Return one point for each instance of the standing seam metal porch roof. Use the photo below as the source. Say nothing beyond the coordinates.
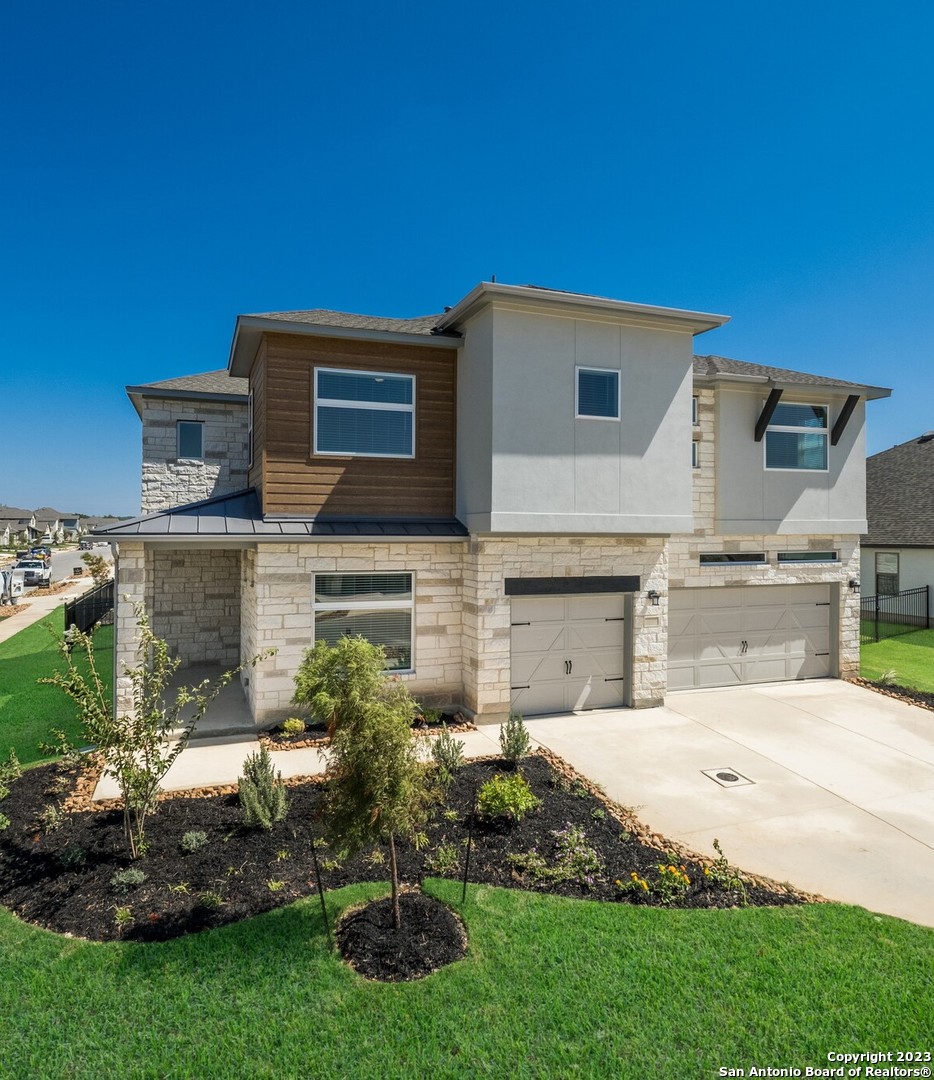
(238, 517)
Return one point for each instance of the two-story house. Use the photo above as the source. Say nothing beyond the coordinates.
(536, 500)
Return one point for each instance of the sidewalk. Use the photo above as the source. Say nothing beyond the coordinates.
(41, 605)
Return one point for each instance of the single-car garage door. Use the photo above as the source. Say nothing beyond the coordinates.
(567, 653)
(749, 634)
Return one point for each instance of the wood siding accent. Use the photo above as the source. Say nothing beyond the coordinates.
(258, 387)
(297, 481)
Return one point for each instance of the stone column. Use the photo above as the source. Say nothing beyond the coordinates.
(129, 589)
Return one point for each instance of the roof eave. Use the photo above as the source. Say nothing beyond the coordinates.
(871, 393)
(693, 322)
(137, 393)
(249, 330)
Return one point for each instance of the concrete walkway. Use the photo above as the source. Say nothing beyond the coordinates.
(835, 791)
(40, 604)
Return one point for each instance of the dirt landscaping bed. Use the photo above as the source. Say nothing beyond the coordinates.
(904, 693)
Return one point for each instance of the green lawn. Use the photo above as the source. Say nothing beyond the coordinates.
(550, 988)
(29, 711)
(911, 656)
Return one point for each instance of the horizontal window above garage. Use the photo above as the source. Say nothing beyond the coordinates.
(731, 558)
(808, 556)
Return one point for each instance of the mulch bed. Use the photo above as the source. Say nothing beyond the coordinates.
(904, 693)
(57, 865)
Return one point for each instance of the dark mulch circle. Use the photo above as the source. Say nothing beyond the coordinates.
(429, 937)
(57, 868)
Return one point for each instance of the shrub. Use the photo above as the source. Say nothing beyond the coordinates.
(210, 900)
(506, 796)
(193, 840)
(10, 770)
(514, 739)
(123, 916)
(124, 880)
(720, 875)
(72, 858)
(445, 859)
(263, 795)
(448, 755)
(293, 726)
(51, 818)
(573, 859)
(4, 822)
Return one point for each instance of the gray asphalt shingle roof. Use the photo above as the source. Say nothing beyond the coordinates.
(422, 324)
(900, 495)
(723, 365)
(238, 516)
(210, 382)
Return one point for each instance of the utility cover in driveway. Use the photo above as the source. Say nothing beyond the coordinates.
(567, 653)
(750, 634)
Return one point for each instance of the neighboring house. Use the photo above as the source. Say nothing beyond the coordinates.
(70, 529)
(898, 546)
(536, 500)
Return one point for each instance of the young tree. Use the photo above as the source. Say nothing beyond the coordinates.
(100, 568)
(136, 746)
(377, 788)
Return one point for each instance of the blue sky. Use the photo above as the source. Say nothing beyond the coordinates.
(168, 166)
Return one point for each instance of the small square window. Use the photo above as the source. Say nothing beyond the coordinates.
(190, 439)
(597, 394)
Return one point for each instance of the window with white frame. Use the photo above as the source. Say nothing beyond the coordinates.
(695, 456)
(695, 411)
(597, 394)
(378, 607)
(807, 556)
(189, 438)
(797, 437)
(364, 413)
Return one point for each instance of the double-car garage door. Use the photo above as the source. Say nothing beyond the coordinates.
(569, 652)
(748, 634)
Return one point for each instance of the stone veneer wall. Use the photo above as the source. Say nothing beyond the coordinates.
(196, 607)
(280, 614)
(130, 586)
(486, 634)
(685, 570)
(168, 481)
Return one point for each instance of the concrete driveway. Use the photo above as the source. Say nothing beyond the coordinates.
(840, 798)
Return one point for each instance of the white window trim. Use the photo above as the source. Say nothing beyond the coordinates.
(368, 605)
(695, 411)
(179, 456)
(825, 431)
(695, 454)
(376, 406)
(578, 415)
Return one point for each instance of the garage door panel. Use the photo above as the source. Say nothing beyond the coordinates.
(537, 637)
(594, 606)
(537, 668)
(596, 693)
(592, 635)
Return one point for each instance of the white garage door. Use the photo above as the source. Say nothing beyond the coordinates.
(567, 653)
(753, 634)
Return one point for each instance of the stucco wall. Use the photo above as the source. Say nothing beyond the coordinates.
(915, 568)
(751, 499)
(168, 481)
(552, 473)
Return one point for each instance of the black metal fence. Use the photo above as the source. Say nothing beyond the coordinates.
(888, 616)
(88, 610)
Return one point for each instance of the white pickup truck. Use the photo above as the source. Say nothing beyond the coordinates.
(35, 571)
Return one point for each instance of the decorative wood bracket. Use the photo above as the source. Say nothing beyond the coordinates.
(843, 419)
(766, 415)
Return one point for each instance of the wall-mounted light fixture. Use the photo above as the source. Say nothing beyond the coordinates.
(854, 584)
(654, 597)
